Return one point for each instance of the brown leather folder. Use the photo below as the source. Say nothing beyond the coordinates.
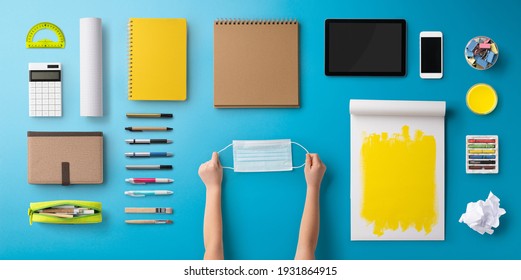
(256, 64)
(65, 157)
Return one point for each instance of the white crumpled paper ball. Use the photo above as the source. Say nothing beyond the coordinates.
(482, 216)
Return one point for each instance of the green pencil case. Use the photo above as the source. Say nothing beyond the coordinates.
(70, 212)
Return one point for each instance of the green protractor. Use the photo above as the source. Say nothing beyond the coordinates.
(45, 43)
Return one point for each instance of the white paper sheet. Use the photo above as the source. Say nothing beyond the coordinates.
(91, 68)
(377, 116)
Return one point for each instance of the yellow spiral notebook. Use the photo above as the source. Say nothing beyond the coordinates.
(157, 59)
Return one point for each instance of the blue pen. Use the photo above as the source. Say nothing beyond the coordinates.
(145, 193)
(149, 154)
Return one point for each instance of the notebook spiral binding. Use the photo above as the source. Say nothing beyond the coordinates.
(255, 21)
(130, 34)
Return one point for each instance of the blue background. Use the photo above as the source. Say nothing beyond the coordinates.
(261, 211)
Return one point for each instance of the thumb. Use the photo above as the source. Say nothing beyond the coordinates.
(215, 157)
(308, 160)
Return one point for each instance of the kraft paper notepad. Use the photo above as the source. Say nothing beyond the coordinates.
(157, 59)
(65, 157)
(256, 64)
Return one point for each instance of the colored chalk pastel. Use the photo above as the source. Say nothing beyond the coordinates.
(482, 162)
(484, 46)
(482, 157)
(475, 167)
(469, 53)
(487, 41)
(482, 151)
(481, 146)
(482, 141)
(472, 45)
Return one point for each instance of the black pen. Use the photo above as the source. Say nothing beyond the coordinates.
(148, 141)
(148, 167)
(148, 128)
(146, 115)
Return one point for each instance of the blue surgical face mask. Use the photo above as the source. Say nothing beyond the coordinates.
(262, 155)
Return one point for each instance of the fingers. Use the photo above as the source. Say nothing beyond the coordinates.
(215, 158)
(315, 158)
(314, 161)
(319, 163)
(311, 159)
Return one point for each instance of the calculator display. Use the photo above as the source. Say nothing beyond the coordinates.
(45, 75)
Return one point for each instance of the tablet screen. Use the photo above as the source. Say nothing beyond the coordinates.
(365, 47)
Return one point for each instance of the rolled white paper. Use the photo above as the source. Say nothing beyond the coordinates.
(91, 68)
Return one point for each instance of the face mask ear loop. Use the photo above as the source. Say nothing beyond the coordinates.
(219, 152)
(307, 152)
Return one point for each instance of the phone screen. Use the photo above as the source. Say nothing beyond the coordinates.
(431, 55)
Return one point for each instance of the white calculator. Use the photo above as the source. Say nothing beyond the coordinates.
(45, 90)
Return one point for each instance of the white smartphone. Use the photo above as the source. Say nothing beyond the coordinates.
(431, 55)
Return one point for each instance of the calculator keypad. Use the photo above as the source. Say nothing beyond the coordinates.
(45, 99)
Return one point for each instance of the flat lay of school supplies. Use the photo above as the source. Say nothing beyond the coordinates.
(93, 125)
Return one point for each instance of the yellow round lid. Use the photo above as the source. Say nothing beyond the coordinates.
(481, 99)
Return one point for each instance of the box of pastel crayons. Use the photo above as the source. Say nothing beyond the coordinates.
(482, 154)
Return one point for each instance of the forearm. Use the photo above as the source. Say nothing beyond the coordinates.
(310, 224)
(213, 224)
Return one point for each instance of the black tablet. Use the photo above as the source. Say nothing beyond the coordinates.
(365, 47)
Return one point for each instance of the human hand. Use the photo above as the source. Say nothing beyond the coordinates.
(211, 172)
(314, 170)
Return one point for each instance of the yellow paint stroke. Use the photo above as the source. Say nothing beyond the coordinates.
(399, 188)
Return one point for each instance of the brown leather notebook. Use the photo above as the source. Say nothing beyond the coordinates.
(256, 64)
(65, 157)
